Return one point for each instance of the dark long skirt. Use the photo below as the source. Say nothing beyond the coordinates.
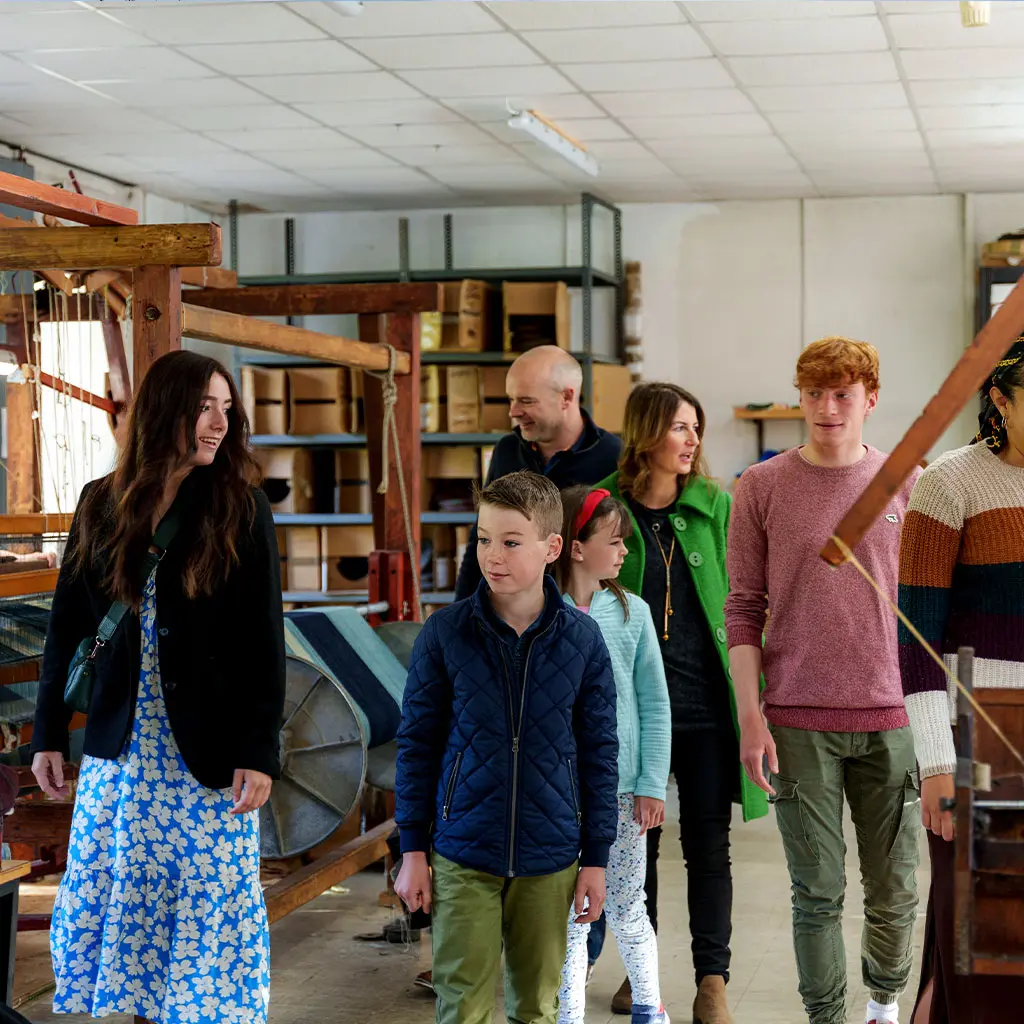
(957, 999)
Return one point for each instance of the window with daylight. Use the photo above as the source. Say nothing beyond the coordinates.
(77, 440)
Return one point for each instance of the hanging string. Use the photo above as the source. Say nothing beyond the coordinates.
(389, 391)
(932, 653)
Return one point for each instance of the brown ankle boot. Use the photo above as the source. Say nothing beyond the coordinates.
(622, 1001)
(710, 1006)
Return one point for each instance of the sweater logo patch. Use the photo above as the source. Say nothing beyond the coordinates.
(892, 518)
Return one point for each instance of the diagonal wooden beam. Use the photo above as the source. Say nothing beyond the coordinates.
(74, 391)
(962, 384)
(117, 361)
(208, 277)
(34, 195)
(323, 299)
(232, 329)
(178, 245)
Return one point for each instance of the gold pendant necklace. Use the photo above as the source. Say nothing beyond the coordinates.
(656, 529)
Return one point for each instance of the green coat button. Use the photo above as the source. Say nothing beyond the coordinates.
(679, 523)
(720, 634)
(696, 559)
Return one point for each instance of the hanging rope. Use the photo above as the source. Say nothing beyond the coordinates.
(932, 653)
(389, 391)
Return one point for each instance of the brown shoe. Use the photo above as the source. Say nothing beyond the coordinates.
(622, 1001)
(710, 1006)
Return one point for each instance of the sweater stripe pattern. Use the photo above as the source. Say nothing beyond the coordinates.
(961, 583)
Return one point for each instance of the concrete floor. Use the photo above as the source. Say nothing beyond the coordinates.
(321, 974)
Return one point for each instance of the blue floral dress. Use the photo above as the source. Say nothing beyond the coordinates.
(160, 912)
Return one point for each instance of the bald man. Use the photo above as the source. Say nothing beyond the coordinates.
(553, 435)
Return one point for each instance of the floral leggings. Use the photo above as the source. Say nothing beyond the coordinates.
(628, 921)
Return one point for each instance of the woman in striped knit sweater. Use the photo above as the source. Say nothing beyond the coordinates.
(962, 584)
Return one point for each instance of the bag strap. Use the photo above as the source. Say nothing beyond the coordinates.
(162, 537)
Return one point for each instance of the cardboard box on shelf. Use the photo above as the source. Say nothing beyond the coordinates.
(346, 554)
(265, 399)
(287, 478)
(304, 563)
(461, 544)
(319, 399)
(612, 385)
(357, 414)
(494, 418)
(463, 390)
(433, 393)
(352, 480)
(450, 462)
(468, 321)
(444, 566)
(492, 382)
(535, 314)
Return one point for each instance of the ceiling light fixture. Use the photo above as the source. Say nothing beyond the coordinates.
(350, 8)
(553, 137)
(975, 14)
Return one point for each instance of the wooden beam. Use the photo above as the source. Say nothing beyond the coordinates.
(76, 249)
(33, 581)
(962, 384)
(400, 330)
(209, 277)
(117, 362)
(35, 524)
(12, 306)
(301, 886)
(323, 299)
(17, 222)
(24, 488)
(26, 194)
(58, 279)
(97, 280)
(74, 391)
(156, 317)
(232, 329)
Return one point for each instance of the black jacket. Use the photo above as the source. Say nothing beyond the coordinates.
(595, 456)
(221, 657)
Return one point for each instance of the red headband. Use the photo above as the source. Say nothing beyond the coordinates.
(593, 499)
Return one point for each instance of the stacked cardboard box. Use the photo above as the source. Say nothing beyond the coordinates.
(450, 399)
(535, 314)
(265, 399)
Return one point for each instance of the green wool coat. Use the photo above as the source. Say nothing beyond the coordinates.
(700, 523)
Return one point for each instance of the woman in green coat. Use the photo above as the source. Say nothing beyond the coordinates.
(676, 563)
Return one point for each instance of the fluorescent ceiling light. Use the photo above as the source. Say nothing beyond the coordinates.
(975, 15)
(554, 138)
(351, 8)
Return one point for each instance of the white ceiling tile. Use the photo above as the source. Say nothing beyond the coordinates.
(304, 160)
(641, 42)
(138, 146)
(97, 64)
(863, 96)
(351, 87)
(581, 14)
(940, 138)
(961, 63)
(8, 124)
(385, 177)
(557, 106)
(593, 129)
(211, 119)
(974, 116)
(322, 140)
(19, 6)
(340, 115)
(457, 51)
(879, 188)
(398, 19)
(63, 30)
(674, 104)
(802, 122)
(965, 158)
(102, 117)
(624, 150)
(821, 142)
(689, 127)
(865, 162)
(765, 10)
(179, 25)
(944, 31)
(838, 175)
(13, 70)
(762, 180)
(640, 76)
(439, 156)
(957, 93)
(185, 163)
(708, 164)
(724, 191)
(731, 148)
(46, 91)
(639, 165)
(493, 81)
(514, 176)
(815, 35)
(672, 190)
(816, 70)
(279, 58)
(187, 92)
(418, 134)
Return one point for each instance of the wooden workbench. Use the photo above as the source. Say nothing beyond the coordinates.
(11, 872)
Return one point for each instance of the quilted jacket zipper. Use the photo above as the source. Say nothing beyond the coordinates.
(575, 795)
(449, 792)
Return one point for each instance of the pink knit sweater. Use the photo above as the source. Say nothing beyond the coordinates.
(830, 655)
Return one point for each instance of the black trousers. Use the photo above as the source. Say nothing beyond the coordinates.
(706, 765)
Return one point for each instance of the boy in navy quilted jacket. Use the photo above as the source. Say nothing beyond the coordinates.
(507, 768)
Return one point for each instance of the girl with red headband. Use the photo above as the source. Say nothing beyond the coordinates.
(594, 529)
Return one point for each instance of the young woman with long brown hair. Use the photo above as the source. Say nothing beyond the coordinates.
(675, 561)
(160, 913)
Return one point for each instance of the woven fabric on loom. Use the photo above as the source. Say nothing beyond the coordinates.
(343, 646)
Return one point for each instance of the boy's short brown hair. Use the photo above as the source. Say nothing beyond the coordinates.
(531, 495)
(833, 362)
